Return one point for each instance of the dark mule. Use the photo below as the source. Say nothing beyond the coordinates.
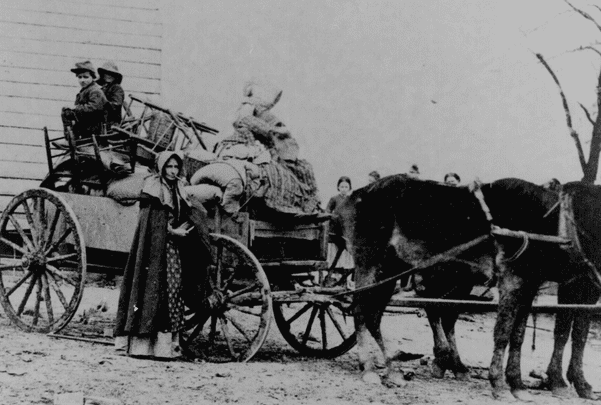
(398, 222)
(574, 268)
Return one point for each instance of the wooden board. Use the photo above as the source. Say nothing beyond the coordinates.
(76, 8)
(105, 223)
(24, 60)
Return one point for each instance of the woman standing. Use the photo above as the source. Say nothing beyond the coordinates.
(151, 301)
(345, 261)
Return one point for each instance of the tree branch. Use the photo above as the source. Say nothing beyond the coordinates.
(566, 108)
(588, 115)
(584, 14)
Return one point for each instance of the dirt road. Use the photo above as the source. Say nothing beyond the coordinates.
(34, 367)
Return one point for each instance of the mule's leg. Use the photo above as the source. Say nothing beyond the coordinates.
(513, 372)
(561, 334)
(382, 298)
(368, 315)
(460, 370)
(588, 295)
(442, 350)
(509, 290)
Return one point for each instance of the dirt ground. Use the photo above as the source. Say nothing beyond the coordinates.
(35, 367)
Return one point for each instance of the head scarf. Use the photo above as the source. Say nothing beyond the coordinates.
(157, 186)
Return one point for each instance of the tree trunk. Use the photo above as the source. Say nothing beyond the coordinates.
(592, 166)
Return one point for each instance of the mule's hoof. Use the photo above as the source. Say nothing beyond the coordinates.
(395, 379)
(462, 376)
(587, 394)
(522, 395)
(503, 395)
(437, 371)
(370, 377)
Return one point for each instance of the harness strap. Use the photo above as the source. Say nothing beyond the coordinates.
(476, 188)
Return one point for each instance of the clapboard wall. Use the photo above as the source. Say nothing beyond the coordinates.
(40, 41)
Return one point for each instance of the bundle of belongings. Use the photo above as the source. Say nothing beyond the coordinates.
(257, 166)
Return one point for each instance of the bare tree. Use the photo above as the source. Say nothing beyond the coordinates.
(589, 167)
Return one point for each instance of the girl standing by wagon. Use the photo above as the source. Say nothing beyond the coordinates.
(345, 261)
(170, 237)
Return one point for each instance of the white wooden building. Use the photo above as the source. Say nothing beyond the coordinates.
(40, 41)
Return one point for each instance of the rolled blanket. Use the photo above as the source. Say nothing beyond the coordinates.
(202, 193)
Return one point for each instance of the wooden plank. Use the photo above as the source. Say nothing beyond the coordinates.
(75, 50)
(105, 223)
(26, 60)
(87, 23)
(24, 136)
(9, 187)
(22, 153)
(67, 79)
(63, 34)
(41, 107)
(20, 170)
(31, 120)
(70, 9)
(131, 4)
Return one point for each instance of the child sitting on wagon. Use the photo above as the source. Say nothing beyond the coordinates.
(110, 81)
(88, 115)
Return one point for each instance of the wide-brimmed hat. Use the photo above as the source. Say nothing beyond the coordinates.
(85, 66)
(111, 68)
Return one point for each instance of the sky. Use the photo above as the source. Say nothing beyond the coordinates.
(383, 84)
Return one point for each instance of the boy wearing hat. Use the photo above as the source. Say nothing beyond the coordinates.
(110, 81)
(87, 117)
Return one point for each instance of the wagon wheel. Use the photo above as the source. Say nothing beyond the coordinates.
(232, 323)
(319, 328)
(42, 276)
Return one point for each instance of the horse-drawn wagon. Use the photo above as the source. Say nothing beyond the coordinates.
(52, 236)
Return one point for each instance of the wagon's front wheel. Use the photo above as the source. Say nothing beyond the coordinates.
(231, 324)
(320, 328)
(42, 261)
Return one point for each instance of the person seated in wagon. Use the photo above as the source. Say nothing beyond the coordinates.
(88, 114)
(110, 82)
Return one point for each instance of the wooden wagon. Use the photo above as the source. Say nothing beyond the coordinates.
(51, 237)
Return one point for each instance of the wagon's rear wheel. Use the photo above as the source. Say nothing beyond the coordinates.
(42, 261)
(323, 329)
(232, 323)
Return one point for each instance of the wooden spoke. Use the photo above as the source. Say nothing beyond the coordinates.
(309, 325)
(219, 265)
(18, 284)
(51, 229)
(238, 327)
(32, 283)
(21, 233)
(251, 287)
(57, 290)
(244, 310)
(63, 257)
(58, 242)
(322, 322)
(40, 217)
(226, 334)
(336, 324)
(56, 272)
(47, 300)
(299, 313)
(225, 283)
(32, 225)
(10, 266)
(38, 300)
(213, 330)
(13, 245)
